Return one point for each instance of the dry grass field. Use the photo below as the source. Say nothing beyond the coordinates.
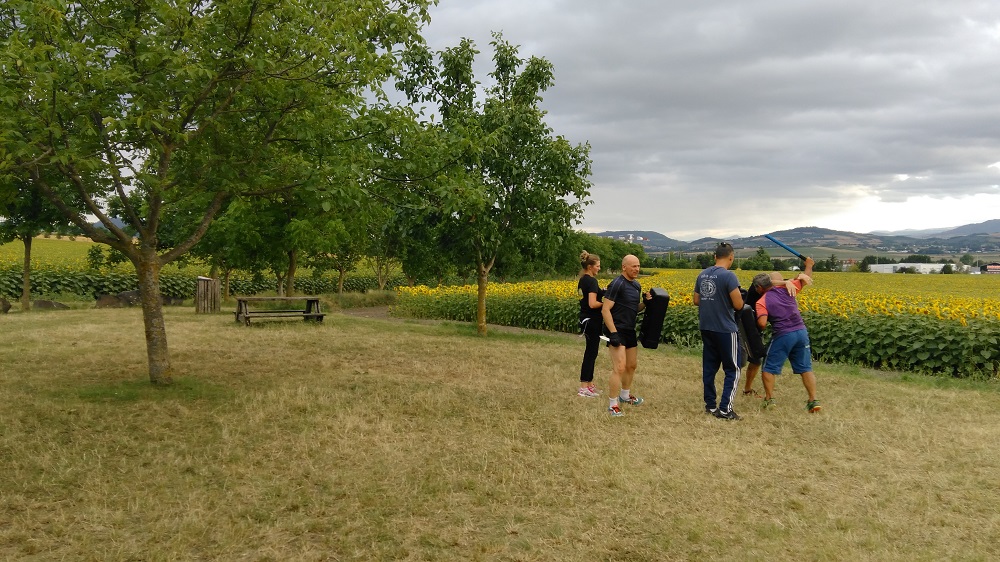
(368, 439)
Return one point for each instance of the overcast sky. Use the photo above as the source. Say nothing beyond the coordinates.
(737, 118)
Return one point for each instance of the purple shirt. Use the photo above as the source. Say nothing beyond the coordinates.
(782, 310)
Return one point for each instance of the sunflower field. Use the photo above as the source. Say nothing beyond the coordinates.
(941, 324)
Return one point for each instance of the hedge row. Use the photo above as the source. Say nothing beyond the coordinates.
(906, 342)
(90, 284)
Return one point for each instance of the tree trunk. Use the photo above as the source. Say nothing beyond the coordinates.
(148, 270)
(225, 283)
(340, 281)
(26, 276)
(280, 277)
(379, 273)
(290, 277)
(481, 279)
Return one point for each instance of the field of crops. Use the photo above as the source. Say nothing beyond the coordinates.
(945, 324)
(60, 271)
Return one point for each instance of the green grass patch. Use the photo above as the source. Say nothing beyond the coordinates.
(185, 389)
(367, 439)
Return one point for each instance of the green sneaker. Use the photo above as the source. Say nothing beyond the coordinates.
(768, 404)
(813, 406)
(632, 400)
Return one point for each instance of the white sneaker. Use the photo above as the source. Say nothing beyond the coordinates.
(594, 390)
(586, 393)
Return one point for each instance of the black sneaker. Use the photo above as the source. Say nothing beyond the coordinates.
(710, 411)
(730, 415)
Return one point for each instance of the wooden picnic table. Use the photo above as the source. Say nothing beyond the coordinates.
(311, 311)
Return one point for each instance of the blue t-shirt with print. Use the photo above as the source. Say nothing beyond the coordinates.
(715, 311)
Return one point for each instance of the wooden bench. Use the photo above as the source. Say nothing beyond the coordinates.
(311, 312)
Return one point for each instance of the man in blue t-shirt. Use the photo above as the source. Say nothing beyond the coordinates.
(717, 296)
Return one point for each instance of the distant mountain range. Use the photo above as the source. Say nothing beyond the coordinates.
(980, 237)
(988, 227)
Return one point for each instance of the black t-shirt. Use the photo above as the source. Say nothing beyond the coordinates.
(627, 295)
(587, 285)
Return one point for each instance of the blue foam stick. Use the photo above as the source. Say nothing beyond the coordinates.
(785, 246)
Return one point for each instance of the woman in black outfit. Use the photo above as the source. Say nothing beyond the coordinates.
(590, 320)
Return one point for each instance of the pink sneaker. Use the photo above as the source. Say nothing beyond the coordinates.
(594, 390)
(586, 393)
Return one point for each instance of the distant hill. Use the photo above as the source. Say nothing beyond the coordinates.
(649, 240)
(988, 227)
(114, 220)
(912, 233)
(981, 237)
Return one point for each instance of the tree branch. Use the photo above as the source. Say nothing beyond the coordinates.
(206, 220)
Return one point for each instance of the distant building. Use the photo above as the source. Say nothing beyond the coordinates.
(918, 267)
(990, 268)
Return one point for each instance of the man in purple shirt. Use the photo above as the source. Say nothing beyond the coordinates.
(789, 340)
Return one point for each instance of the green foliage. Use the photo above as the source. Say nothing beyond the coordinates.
(829, 264)
(760, 261)
(908, 343)
(514, 188)
(91, 284)
(525, 311)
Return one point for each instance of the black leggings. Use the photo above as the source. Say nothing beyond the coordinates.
(592, 333)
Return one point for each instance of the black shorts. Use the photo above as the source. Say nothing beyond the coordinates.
(628, 338)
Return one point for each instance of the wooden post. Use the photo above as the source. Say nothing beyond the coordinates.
(207, 298)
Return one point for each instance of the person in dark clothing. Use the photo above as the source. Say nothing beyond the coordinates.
(623, 300)
(717, 296)
(590, 320)
(753, 341)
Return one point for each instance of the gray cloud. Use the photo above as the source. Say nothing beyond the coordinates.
(725, 118)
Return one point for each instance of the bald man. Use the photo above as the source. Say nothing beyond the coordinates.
(623, 299)
(790, 339)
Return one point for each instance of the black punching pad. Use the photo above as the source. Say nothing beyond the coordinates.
(651, 329)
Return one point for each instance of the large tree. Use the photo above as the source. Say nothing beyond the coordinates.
(24, 214)
(156, 102)
(517, 186)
